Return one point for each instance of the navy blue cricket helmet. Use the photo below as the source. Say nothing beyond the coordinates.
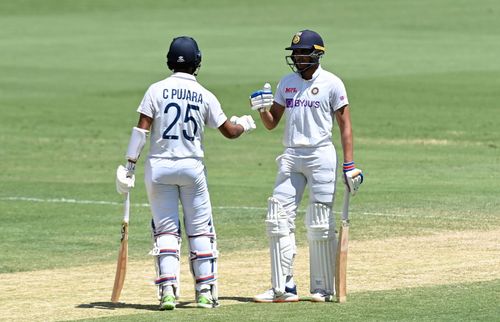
(309, 41)
(183, 53)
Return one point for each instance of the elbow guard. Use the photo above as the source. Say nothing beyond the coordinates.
(136, 144)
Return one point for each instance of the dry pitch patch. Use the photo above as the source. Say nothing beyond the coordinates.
(84, 292)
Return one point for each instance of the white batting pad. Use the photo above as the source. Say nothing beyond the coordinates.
(281, 246)
(136, 143)
(166, 250)
(320, 224)
(203, 257)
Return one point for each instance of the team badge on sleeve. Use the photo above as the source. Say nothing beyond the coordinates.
(315, 90)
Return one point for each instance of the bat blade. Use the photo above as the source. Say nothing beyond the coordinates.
(121, 265)
(341, 269)
(342, 248)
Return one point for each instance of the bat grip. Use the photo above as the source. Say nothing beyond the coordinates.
(345, 205)
(126, 208)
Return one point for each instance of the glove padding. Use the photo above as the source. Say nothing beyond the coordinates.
(262, 100)
(125, 180)
(353, 179)
(246, 121)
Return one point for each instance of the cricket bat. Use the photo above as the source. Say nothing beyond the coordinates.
(121, 265)
(342, 248)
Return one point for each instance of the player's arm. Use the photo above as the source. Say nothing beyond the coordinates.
(353, 177)
(270, 112)
(230, 130)
(138, 138)
(125, 177)
(236, 126)
(144, 122)
(271, 118)
(343, 117)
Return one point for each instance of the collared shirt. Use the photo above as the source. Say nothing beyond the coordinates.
(309, 107)
(180, 108)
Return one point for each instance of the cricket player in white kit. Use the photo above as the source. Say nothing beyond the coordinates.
(310, 98)
(175, 111)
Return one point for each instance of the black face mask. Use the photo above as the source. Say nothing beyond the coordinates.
(314, 56)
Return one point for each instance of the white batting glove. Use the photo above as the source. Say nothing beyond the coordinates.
(353, 177)
(246, 121)
(263, 99)
(125, 178)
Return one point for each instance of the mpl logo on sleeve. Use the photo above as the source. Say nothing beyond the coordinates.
(290, 90)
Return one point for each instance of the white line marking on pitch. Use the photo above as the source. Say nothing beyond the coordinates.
(114, 203)
(100, 202)
(64, 200)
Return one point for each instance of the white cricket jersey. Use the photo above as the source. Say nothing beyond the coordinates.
(180, 108)
(309, 107)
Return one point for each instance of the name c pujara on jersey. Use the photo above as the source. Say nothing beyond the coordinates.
(183, 94)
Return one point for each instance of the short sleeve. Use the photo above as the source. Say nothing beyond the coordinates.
(278, 97)
(339, 95)
(215, 115)
(146, 106)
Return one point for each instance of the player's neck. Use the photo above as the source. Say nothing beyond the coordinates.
(308, 73)
(188, 70)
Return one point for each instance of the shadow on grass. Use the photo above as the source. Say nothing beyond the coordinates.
(116, 306)
(149, 307)
(236, 298)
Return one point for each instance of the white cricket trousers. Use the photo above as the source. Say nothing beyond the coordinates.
(171, 180)
(298, 167)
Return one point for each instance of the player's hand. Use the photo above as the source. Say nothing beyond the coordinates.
(263, 99)
(125, 178)
(246, 121)
(353, 177)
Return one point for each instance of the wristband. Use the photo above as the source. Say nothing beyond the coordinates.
(348, 166)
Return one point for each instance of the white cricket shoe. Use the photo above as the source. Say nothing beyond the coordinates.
(271, 296)
(321, 296)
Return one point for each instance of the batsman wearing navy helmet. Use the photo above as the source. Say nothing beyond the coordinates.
(310, 99)
(174, 113)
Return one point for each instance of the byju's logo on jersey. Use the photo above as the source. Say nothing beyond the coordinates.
(291, 103)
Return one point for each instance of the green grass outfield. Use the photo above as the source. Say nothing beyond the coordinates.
(423, 80)
(451, 303)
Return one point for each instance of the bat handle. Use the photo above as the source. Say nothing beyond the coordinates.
(126, 208)
(345, 205)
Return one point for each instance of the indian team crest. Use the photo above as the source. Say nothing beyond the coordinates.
(315, 90)
(296, 38)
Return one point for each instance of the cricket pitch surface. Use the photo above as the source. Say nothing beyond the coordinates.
(396, 263)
